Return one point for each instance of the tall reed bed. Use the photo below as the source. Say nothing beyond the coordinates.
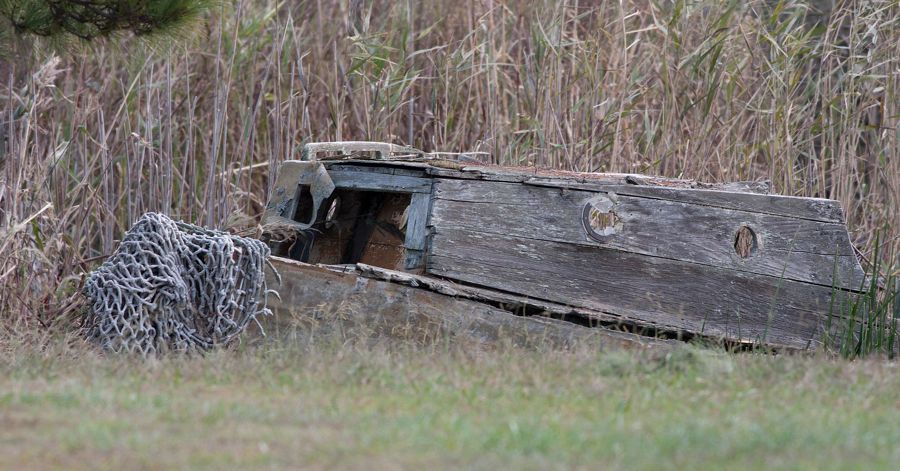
(802, 94)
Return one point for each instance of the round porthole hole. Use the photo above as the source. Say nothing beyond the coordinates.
(745, 242)
(599, 219)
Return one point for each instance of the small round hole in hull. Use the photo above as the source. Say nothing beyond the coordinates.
(745, 243)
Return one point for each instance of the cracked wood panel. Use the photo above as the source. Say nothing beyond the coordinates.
(374, 181)
(551, 177)
(416, 230)
(650, 290)
(512, 302)
(814, 209)
(796, 249)
(320, 298)
(386, 167)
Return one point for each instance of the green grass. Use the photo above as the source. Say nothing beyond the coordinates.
(280, 405)
(868, 324)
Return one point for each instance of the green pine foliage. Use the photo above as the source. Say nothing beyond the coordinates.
(82, 21)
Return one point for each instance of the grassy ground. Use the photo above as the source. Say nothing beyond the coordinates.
(282, 405)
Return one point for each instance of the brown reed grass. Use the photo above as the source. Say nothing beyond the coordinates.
(802, 95)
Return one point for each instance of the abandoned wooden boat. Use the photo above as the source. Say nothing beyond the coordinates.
(393, 229)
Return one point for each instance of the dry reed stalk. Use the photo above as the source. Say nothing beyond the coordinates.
(700, 90)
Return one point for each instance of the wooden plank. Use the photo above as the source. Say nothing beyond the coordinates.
(382, 150)
(814, 209)
(474, 173)
(416, 230)
(796, 249)
(373, 181)
(678, 295)
(623, 318)
(417, 166)
(591, 180)
(525, 174)
(762, 188)
(321, 301)
(368, 166)
(511, 301)
(561, 178)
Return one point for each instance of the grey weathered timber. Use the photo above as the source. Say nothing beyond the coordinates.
(283, 200)
(367, 167)
(324, 300)
(416, 231)
(366, 181)
(814, 209)
(509, 302)
(676, 295)
(520, 175)
(345, 148)
(650, 254)
(535, 176)
(796, 249)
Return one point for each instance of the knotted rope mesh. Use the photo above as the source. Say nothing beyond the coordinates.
(175, 286)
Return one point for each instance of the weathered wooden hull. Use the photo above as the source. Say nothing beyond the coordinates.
(366, 306)
(647, 254)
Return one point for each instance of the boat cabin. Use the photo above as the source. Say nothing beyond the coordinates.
(727, 261)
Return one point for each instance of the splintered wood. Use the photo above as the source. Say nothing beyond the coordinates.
(379, 304)
(685, 263)
(621, 251)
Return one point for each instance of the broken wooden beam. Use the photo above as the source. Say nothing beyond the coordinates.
(326, 298)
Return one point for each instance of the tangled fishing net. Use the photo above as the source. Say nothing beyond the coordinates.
(175, 286)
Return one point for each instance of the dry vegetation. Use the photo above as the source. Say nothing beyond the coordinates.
(801, 94)
(293, 405)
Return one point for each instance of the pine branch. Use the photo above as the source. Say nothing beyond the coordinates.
(88, 20)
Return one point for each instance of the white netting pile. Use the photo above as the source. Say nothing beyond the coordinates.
(175, 286)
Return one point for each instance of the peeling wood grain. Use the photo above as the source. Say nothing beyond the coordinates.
(366, 181)
(796, 249)
(416, 230)
(814, 209)
(367, 166)
(537, 176)
(524, 174)
(312, 296)
(514, 302)
(673, 254)
(683, 296)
